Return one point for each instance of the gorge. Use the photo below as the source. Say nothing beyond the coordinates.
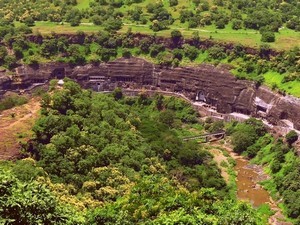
(206, 85)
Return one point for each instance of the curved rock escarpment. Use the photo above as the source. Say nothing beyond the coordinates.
(214, 86)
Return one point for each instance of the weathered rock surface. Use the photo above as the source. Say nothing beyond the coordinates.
(214, 85)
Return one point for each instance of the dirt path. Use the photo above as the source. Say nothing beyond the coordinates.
(15, 127)
(219, 158)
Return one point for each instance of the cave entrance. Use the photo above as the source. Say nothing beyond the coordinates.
(99, 87)
(201, 96)
(261, 108)
(283, 115)
(58, 73)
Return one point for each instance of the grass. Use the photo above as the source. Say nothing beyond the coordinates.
(83, 4)
(265, 212)
(65, 28)
(274, 78)
(284, 40)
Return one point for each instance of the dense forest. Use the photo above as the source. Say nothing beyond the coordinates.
(110, 159)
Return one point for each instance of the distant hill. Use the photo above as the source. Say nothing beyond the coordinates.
(247, 22)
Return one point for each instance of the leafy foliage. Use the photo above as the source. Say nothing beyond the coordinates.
(110, 159)
(31, 203)
(245, 134)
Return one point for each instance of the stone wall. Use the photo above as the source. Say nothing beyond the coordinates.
(215, 86)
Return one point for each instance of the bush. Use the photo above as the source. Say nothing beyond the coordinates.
(268, 36)
(176, 36)
(155, 49)
(220, 24)
(12, 101)
(237, 24)
(167, 117)
(191, 52)
(291, 137)
(173, 2)
(243, 137)
(165, 58)
(216, 52)
(275, 166)
(126, 53)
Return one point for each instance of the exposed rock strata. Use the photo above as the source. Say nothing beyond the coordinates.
(214, 85)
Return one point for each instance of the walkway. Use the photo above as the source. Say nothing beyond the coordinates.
(216, 135)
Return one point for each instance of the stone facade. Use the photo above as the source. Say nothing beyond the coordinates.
(215, 86)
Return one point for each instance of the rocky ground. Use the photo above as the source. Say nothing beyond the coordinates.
(15, 128)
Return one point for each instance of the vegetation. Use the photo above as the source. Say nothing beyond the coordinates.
(279, 158)
(278, 70)
(284, 167)
(232, 17)
(268, 21)
(101, 159)
(12, 101)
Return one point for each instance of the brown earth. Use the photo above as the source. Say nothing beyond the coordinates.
(15, 128)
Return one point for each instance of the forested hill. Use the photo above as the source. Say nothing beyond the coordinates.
(107, 159)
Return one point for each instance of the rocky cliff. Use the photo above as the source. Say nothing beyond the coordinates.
(215, 86)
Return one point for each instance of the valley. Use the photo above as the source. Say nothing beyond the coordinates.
(124, 112)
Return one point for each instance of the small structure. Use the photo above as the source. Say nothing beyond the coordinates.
(201, 96)
(60, 82)
(261, 105)
(207, 137)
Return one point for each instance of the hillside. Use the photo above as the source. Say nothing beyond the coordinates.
(259, 40)
(126, 152)
(110, 159)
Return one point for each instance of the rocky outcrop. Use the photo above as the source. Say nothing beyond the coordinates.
(215, 86)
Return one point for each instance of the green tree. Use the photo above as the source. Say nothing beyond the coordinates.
(165, 58)
(190, 51)
(118, 94)
(173, 2)
(291, 137)
(31, 203)
(268, 36)
(10, 61)
(112, 24)
(220, 24)
(167, 117)
(237, 24)
(73, 16)
(49, 47)
(3, 53)
(176, 36)
(155, 49)
(216, 52)
(243, 137)
(29, 21)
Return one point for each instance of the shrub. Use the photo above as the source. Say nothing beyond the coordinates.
(291, 137)
(12, 101)
(268, 36)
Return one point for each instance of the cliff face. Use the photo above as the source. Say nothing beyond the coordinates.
(215, 86)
